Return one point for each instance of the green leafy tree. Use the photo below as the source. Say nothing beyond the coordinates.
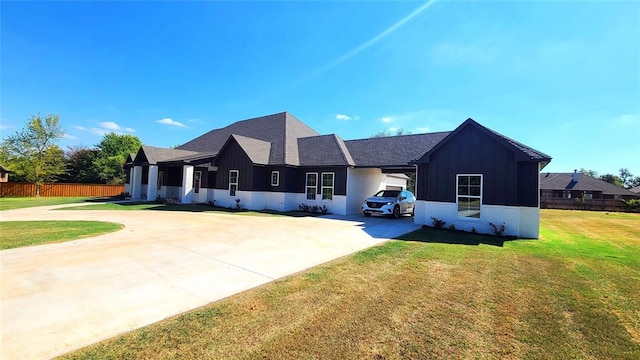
(32, 153)
(80, 167)
(613, 179)
(113, 151)
(626, 177)
(591, 173)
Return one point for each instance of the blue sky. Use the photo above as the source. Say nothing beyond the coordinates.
(562, 77)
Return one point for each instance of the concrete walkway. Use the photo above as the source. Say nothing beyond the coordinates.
(59, 297)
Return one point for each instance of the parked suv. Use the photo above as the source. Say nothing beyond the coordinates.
(390, 202)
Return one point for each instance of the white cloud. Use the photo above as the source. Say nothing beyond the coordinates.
(387, 119)
(106, 127)
(343, 117)
(171, 122)
(393, 129)
(67, 136)
(4, 126)
(110, 125)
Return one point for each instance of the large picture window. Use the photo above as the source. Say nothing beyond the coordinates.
(275, 178)
(233, 182)
(469, 195)
(197, 181)
(327, 186)
(311, 187)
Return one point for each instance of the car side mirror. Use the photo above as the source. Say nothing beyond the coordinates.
(403, 198)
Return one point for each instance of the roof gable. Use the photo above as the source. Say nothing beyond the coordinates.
(257, 150)
(281, 130)
(521, 151)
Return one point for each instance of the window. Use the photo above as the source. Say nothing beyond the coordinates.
(197, 181)
(160, 175)
(327, 186)
(311, 186)
(233, 182)
(469, 195)
(275, 178)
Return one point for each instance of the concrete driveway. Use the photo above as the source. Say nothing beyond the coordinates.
(59, 297)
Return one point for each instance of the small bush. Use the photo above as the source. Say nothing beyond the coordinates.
(437, 223)
(452, 227)
(315, 208)
(303, 207)
(473, 230)
(324, 210)
(238, 204)
(498, 230)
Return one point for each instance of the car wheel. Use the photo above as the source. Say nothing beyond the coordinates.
(396, 212)
(413, 212)
(367, 214)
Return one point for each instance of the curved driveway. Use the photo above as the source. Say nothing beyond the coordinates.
(59, 297)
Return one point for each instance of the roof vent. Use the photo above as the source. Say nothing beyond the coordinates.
(576, 176)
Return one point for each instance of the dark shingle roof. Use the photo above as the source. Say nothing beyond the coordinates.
(521, 151)
(324, 150)
(153, 154)
(257, 150)
(392, 150)
(564, 181)
(635, 190)
(282, 130)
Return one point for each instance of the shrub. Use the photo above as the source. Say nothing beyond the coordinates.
(452, 227)
(238, 204)
(473, 230)
(437, 223)
(633, 205)
(315, 208)
(324, 210)
(303, 207)
(498, 230)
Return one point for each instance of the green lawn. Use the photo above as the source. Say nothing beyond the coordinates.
(10, 203)
(26, 233)
(574, 294)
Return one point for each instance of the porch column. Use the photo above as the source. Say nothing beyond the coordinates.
(136, 182)
(152, 184)
(186, 192)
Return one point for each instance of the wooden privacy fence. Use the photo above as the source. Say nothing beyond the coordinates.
(584, 204)
(60, 189)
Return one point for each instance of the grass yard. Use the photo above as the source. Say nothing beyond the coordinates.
(574, 294)
(10, 203)
(26, 233)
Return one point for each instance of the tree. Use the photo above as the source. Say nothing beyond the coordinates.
(80, 167)
(113, 151)
(626, 177)
(591, 173)
(610, 178)
(386, 133)
(32, 153)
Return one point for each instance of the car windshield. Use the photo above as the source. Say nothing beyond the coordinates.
(387, 193)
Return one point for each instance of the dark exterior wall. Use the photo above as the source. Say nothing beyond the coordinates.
(145, 175)
(339, 180)
(172, 175)
(471, 151)
(234, 158)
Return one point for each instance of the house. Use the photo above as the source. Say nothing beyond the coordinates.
(277, 162)
(580, 186)
(476, 177)
(4, 174)
(635, 190)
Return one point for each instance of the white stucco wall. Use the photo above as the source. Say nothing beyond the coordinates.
(519, 221)
(362, 183)
(395, 181)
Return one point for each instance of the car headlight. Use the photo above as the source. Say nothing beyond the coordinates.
(390, 203)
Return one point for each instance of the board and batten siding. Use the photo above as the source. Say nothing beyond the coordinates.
(234, 158)
(471, 151)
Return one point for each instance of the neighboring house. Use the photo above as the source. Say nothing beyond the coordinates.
(580, 186)
(635, 190)
(4, 174)
(277, 162)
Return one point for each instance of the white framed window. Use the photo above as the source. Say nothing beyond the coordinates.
(311, 187)
(233, 182)
(327, 186)
(275, 178)
(159, 182)
(469, 195)
(197, 181)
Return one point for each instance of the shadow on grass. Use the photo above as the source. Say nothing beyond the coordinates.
(445, 236)
(208, 208)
